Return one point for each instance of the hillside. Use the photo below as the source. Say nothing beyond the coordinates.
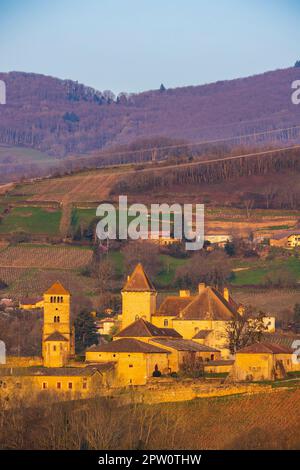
(63, 118)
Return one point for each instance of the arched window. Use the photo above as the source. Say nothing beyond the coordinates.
(51, 299)
(61, 299)
(54, 319)
(54, 347)
(57, 319)
(166, 322)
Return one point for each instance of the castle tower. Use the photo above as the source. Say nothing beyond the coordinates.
(138, 297)
(58, 341)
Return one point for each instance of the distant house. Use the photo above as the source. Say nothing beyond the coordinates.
(288, 239)
(219, 240)
(263, 361)
(105, 325)
(31, 303)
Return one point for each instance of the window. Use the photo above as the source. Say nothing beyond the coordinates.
(44, 386)
(130, 365)
(58, 319)
(84, 385)
(70, 385)
(18, 385)
(212, 357)
(61, 299)
(58, 385)
(54, 348)
(166, 322)
(51, 299)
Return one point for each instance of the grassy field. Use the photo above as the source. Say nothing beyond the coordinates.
(254, 272)
(33, 220)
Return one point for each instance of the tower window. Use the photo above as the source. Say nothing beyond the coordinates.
(61, 299)
(51, 299)
(58, 319)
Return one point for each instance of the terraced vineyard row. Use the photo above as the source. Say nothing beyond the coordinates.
(51, 257)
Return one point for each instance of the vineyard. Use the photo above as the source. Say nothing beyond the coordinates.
(46, 257)
(93, 186)
(34, 282)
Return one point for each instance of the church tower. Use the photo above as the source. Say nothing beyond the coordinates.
(58, 341)
(138, 297)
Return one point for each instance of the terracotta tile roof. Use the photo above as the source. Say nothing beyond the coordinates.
(286, 234)
(127, 345)
(184, 345)
(173, 305)
(138, 281)
(281, 339)
(142, 328)
(265, 348)
(202, 334)
(30, 300)
(209, 305)
(56, 336)
(57, 289)
(86, 371)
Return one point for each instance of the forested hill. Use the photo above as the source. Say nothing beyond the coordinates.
(62, 117)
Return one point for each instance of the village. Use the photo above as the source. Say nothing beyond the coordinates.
(192, 335)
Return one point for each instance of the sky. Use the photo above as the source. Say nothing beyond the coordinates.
(135, 45)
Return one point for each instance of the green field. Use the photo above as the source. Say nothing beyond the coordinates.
(35, 220)
(24, 155)
(256, 272)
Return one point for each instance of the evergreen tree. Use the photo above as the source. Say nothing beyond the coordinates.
(162, 87)
(297, 63)
(85, 331)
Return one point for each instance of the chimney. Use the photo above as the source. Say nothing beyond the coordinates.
(201, 287)
(184, 293)
(226, 294)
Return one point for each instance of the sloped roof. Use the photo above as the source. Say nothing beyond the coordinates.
(85, 371)
(184, 345)
(56, 336)
(127, 345)
(209, 305)
(173, 305)
(142, 328)
(57, 289)
(281, 339)
(265, 348)
(138, 281)
(202, 334)
(30, 300)
(286, 234)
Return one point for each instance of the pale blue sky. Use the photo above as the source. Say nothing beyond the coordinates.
(134, 45)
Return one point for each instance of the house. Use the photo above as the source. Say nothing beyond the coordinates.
(105, 325)
(31, 303)
(219, 240)
(287, 239)
(262, 361)
(181, 350)
(135, 361)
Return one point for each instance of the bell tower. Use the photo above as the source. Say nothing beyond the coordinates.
(57, 319)
(138, 297)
